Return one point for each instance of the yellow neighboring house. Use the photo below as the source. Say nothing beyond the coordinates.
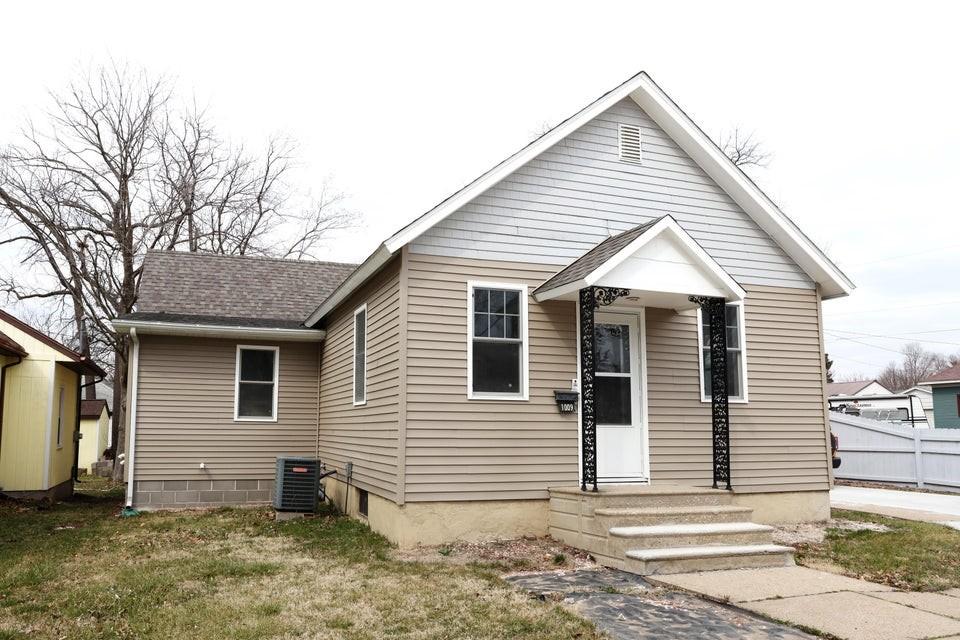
(94, 428)
(40, 383)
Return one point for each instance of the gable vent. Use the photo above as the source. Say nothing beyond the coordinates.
(630, 143)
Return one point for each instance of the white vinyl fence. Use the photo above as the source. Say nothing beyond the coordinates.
(885, 452)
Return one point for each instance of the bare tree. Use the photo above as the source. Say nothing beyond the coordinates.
(114, 171)
(917, 363)
(743, 149)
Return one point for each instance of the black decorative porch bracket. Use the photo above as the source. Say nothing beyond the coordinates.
(590, 299)
(715, 310)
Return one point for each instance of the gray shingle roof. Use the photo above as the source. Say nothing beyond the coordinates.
(203, 288)
(946, 375)
(850, 388)
(592, 259)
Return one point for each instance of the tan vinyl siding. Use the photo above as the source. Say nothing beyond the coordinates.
(366, 435)
(185, 408)
(459, 449)
(777, 438)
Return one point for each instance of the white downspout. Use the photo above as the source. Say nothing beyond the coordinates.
(132, 408)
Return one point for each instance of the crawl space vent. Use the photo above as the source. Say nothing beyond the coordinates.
(630, 143)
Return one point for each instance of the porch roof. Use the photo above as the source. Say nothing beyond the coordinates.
(658, 261)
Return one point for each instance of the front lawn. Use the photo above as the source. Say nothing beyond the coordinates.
(917, 556)
(78, 571)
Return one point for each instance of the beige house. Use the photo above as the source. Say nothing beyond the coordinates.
(557, 326)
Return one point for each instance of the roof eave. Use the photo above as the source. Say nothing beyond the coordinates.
(374, 262)
(217, 331)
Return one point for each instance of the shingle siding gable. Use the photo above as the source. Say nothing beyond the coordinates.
(574, 195)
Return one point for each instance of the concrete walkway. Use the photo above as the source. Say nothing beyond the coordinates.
(830, 604)
(910, 505)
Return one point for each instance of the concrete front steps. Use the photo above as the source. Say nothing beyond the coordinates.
(651, 529)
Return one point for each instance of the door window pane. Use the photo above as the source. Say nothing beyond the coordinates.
(613, 400)
(612, 348)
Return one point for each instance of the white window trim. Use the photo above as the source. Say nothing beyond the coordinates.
(743, 354)
(353, 354)
(524, 342)
(276, 383)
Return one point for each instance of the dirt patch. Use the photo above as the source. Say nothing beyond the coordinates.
(815, 532)
(524, 554)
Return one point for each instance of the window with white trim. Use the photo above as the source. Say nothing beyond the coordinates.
(497, 360)
(736, 358)
(257, 385)
(360, 356)
(60, 419)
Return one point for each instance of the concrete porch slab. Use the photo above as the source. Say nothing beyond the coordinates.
(747, 585)
(933, 602)
(856, 616)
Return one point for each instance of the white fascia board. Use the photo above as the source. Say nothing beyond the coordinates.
(217, 331)
(361, 274)
(667, 225)
(744, 192)
(935, 383)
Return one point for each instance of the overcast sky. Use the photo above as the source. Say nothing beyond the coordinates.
(402, 103)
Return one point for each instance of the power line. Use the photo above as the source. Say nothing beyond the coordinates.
(910, 333)
(867, 344)
(906, 255)
(869, 364)
(874, 335)
(902, 307)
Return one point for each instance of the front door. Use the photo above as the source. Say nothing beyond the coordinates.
(617, 388)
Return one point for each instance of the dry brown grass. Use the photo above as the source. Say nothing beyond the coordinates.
(77, 571)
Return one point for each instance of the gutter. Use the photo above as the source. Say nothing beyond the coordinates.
(217, 331)
(132, 410)
(3, 390)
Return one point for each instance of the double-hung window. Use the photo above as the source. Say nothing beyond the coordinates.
(736, 354)
(258, 373)
(360, 356)
(497, 343)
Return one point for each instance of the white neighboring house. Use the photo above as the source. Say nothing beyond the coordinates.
(857, 388)
(925, 396)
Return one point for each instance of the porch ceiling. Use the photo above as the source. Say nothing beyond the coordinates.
(658, 262)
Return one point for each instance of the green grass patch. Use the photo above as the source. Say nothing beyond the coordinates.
(918, 556)
(79, 571)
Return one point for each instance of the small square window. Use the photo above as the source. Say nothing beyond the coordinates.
(363, 502)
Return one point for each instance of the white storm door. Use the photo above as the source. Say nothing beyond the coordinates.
(617, 399)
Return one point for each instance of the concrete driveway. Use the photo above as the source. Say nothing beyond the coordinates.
(910, 505)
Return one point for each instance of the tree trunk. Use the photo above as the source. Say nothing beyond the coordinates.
(119, 410)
